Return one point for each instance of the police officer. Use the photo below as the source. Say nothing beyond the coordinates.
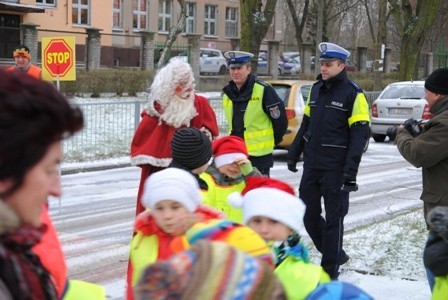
(333, 133)
(253, 111)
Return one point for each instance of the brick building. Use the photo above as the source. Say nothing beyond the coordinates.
(119, 25)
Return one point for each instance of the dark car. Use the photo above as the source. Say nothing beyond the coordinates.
(350, 67)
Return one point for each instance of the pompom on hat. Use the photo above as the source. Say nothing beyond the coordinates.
(172, 184)
(437, 82)
(191, 148)
(270, 198)
(228, 149)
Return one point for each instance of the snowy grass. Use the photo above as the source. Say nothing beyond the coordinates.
(391, 248)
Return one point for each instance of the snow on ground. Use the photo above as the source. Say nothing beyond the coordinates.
(392, 268)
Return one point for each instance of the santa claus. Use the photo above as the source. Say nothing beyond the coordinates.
(172, 104)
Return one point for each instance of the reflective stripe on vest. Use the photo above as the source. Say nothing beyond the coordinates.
(81, 290)
(360, 110)
(143, 252)
(258, 133)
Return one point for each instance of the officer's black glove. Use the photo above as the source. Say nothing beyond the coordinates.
(349, 183)
(292, 166)
(413, 127)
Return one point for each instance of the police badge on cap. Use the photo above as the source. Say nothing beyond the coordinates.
(330, 51)
(236, 59)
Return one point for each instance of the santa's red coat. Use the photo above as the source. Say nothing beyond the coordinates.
(151, 145)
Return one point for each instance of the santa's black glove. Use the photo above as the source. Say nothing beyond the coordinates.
(292, 166)
(349, 183)
(413, 127)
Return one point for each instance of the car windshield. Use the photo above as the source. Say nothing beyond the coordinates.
(282, 91)
(305, 90)
(409, 91)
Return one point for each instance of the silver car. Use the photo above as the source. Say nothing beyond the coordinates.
(398, 102)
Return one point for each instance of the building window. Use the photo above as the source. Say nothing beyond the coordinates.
(210, 20)
(140, 14)
(165, 11)
(46, 2)
(231, 22)
(117, 14)
(190, 22)
(80, 12)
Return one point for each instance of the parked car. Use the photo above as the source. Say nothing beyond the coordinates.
(287, 56)
(212, 61)
(290, 67)
(294, 94)
(262, 66)
(350, 66)
(398, 102)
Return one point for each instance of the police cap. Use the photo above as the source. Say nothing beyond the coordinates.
(330, 51)
(236, 59)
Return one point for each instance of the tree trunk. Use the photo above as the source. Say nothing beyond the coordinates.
(415, 19)
(174, 32)
(255, 23)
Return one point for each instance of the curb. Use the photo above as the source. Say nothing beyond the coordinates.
(87, 168)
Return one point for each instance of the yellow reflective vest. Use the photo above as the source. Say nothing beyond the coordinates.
(216, 196)
(300, 278)
(440, 290)
(144, 251)
(81, 290)
(259, 133)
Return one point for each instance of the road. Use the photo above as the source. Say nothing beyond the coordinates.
(94, 216)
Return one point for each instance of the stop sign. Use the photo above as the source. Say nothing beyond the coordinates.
(59, 58)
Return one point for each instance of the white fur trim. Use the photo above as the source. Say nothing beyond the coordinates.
(150, 160)
(274, 204)
(228, 158)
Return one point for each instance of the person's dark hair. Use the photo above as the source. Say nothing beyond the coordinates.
(22, 47)
(33, 115)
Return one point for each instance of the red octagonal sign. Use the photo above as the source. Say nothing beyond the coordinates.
(58, 57)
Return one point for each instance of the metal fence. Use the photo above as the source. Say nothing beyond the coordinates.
(110, 126)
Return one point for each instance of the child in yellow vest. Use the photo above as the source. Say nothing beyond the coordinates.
(173, 197)
(272, 210)
(227, 174)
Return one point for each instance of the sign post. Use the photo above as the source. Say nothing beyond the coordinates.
(58, 59)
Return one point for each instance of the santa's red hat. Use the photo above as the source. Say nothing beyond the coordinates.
(228, 149)
(270, 198)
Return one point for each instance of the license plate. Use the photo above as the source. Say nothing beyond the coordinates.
(400, 111)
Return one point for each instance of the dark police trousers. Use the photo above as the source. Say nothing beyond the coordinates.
(326, 233)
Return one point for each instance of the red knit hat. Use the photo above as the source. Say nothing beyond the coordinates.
(228, 149)
(270, 198)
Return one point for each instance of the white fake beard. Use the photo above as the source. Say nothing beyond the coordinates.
(179, 111)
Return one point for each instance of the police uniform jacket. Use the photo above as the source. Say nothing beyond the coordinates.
(429, 150)
(240, 99)
(335, 126)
